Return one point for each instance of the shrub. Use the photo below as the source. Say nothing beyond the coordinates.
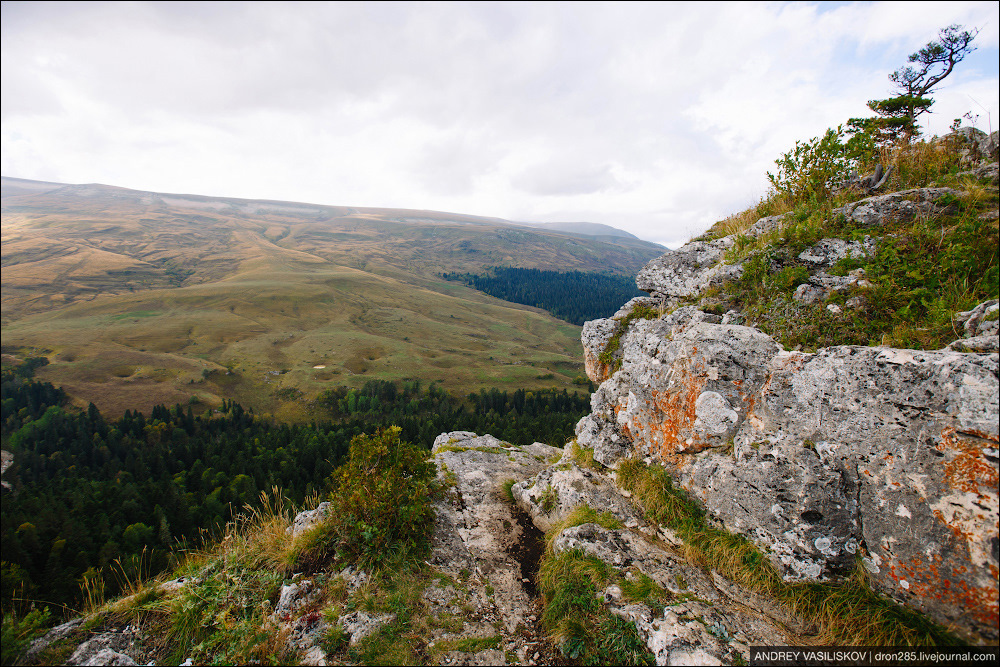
(381, 498)
(18, 632)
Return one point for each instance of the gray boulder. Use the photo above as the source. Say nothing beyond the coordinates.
(608, 445)
(902, 206)
(552, 494)
(689, 270)
(829, 251)
(360, 624)
(308, 519)
(981, 320)
(889, 455)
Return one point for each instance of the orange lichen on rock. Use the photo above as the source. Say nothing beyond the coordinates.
(595, 369)
(929, 581)
(674, 415)
(965, 469)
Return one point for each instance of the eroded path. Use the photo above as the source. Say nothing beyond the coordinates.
(489, 547)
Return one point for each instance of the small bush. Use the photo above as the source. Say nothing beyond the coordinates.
(19, 631)
(381, 498)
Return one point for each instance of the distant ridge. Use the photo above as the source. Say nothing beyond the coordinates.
(12, 187)
(585, 228)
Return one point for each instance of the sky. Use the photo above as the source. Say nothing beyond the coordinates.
(656, 118)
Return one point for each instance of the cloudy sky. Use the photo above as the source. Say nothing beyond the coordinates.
(657, 118)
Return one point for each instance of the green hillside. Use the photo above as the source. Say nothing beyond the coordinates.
(143, 298)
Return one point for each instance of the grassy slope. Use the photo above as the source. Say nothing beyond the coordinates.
(925, 271)
(140, 299)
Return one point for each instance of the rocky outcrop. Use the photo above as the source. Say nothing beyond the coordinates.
(688, 270)
(887, 454)
(707, 619)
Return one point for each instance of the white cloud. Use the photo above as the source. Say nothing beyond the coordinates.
(655, 117)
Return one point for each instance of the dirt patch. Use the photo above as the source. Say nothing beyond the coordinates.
(527, 550)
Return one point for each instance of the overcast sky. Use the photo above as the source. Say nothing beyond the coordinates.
(657, 118)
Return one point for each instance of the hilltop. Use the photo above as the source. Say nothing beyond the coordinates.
(141, 298)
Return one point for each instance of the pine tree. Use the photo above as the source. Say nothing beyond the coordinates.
(897, 116)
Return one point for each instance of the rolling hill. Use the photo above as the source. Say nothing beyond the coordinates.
(141, 298)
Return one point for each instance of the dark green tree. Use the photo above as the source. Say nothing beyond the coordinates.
(897, 116)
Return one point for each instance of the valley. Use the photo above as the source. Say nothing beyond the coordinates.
(142, 298)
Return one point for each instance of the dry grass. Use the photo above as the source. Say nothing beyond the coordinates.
(280, 288)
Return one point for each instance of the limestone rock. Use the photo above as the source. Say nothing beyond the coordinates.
(293, 597)
(608, 445)
(766, 225)
(556, 491)
(595, 336)
(901, 206)
(829, 251)
(976, 145)
(979, 344)
(55, 634)
(107, 656)
(107, 648)
(981, 320)
(989, 171)
(807, 294)
(360, 624)
(353, 578)
(477, 529)
(308, 519)
(888, 454)
(685, 634)
(688, 270)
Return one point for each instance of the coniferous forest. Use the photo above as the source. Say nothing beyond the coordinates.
(573, 296)
(119, 498)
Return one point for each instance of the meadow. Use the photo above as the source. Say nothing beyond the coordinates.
(141, 299)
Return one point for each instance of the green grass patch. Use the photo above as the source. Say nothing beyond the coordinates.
(584, 457)
(922, 273)
(577, 620)
(135, 314)
(574, 615)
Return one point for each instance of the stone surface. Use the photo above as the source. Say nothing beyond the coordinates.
(308, 519)
(55, 634)
(556, 491)
(292, 598)
(901, 206)
(710, 620)
(829, 251)
(360, 624)
(766, 225)
(107, 656)
(688, 270)
(608, 445)
(979, 344)
(975, 145)
(981, 320)
(484, 543)
(890, 454)
(107, 648)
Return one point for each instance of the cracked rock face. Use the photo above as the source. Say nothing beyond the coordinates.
(889, 455)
